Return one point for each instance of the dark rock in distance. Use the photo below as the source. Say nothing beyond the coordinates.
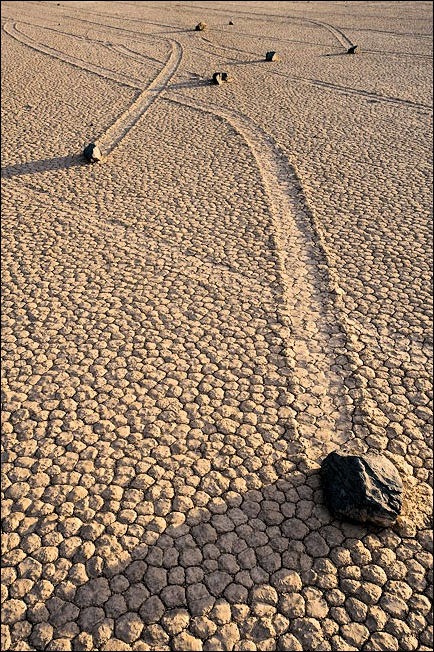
(92, 153)
(230, 22)
(362, 488)
(200, 27)
(219, 77)
(352, 49)
(271, 56)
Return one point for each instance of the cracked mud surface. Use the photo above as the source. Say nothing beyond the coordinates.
(189, 327)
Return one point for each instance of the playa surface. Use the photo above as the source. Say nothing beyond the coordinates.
(241, 286)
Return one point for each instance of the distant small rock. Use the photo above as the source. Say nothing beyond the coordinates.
(219, 77)
(200, 27)
(230, 22)
(352, 49)
(363, 488)
(92, 153)
(271, 56)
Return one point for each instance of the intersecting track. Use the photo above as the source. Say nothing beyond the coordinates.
(310, 301)
(11, 28)
(114, 134)
(337, 33)
(128, 119)
(347, 90)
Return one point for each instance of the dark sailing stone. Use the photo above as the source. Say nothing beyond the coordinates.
(362, 488)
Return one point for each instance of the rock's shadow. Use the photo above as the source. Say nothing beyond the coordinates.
(43, 165)
(191, 83)
(240, 559)
(247, 63)
(336, 54)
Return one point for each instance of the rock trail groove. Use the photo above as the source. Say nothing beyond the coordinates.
(186, 339)
(127, 120)
(11, 28)
(314, 312)
(322, 84)
(309, 311)
(275, 171)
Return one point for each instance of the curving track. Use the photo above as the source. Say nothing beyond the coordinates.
(114, 134)
(306, 272)
(310, 316)
(12, 30)
(185, 341)
(127, 120)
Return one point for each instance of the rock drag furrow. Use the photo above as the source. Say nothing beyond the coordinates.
(389, 53)
(337, 33)
(117, 131)
(130, 19)
(348, 90)
(132, 54)
(358, 92)
(12, 30)
(307, 286)
(114, 134)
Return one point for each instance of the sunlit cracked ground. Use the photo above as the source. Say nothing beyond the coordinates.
(241, 286)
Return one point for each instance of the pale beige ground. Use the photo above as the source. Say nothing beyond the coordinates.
(189, 327)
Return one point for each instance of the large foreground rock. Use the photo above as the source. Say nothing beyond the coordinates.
(362, 488)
